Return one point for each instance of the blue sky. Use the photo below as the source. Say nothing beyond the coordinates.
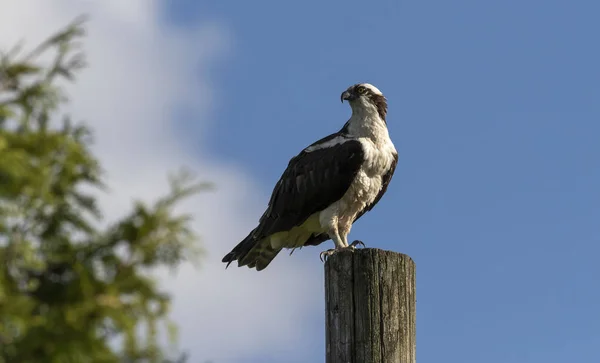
(494, 107)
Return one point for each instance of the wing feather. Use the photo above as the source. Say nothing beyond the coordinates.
(311, 182)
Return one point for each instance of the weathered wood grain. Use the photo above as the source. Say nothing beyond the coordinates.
(370, 299)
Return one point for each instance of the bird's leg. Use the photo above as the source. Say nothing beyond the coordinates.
(344, 232)
(344, 235)
(339, 244)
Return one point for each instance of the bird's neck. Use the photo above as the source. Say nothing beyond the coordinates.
(367, 122)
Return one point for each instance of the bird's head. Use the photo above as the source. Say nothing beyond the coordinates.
(364, 97)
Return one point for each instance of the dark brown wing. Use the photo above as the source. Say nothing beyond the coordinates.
(312, 181)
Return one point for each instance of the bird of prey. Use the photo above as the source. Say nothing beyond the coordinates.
(327, 186)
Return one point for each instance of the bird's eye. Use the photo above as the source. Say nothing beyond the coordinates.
(361, 90)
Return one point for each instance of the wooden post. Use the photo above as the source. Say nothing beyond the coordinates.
(370, 307)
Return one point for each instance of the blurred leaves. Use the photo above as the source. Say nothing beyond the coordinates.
(69, 291)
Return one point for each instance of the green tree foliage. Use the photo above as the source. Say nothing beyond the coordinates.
(71, 291)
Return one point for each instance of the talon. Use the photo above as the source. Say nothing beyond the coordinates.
(323, 255)
(356, 243)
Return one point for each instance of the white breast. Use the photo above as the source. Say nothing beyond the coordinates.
(366, 185)
(368, 182)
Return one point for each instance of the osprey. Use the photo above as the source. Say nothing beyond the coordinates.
(327, 186)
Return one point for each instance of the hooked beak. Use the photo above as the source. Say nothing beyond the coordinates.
(346, 96)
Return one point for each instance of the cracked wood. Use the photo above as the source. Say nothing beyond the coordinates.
(370, 303)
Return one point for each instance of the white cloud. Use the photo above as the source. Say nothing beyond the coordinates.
(140, 69)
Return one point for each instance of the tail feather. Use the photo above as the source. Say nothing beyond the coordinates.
(240, 250)
(260, 256)
(252, 253)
